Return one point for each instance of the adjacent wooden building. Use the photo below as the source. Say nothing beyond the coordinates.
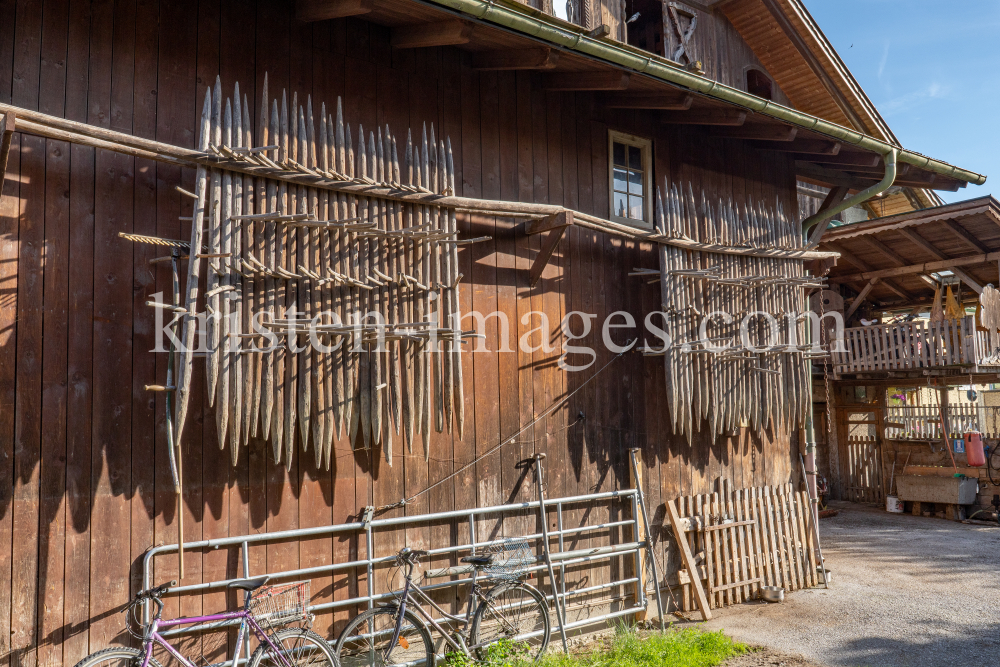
(743, 100)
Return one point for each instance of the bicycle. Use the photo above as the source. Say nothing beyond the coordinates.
(393, 635)
(270, 606)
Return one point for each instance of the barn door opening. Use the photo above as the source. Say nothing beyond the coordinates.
(862, 457)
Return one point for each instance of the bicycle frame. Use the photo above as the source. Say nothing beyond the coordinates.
(249, 622)
(475, 595)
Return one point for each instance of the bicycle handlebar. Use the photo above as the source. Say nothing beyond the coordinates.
(155, 592)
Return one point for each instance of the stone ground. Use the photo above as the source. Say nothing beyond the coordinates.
(906, 592)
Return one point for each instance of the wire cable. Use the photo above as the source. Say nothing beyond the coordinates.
(510, 440)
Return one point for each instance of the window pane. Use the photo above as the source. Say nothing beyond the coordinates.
(635, 182)
(621, 205)
(636, 207)
(619, 154)
(620, 176)
(635, 157)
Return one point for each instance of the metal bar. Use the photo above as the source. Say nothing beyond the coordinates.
(562, 547)
(545, 549)
(245, 552)
(637, 558)
(369, 550)
(566, 559)
(376, 523)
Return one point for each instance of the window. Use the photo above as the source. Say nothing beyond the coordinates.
(759, 84)
(631, 179)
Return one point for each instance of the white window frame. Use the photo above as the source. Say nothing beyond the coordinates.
(646, 148)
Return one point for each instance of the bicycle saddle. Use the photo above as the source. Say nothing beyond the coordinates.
(478, 561)
(249, 584)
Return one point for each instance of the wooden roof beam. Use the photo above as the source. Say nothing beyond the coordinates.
(851, 258)
(719, 117)
(422, 35)
(322, 10)
(680, 102)
(808, 171)
(783, 133)
(611, 80)
(962, 233)
(914, 181)
(541, 57)
(846, 158)
(809, 147)
(926, 267)
(932, 250)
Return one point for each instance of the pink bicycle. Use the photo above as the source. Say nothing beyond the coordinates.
(264, 608)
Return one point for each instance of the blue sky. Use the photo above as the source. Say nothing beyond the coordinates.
(933, 71)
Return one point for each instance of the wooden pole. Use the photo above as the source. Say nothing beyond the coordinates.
(689, 561)
(560, 609)
(644, 536)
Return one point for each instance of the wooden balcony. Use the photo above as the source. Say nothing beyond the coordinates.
(923, 422)
(897, 350)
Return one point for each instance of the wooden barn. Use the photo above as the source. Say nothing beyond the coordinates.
(420, 161)
(903, 371)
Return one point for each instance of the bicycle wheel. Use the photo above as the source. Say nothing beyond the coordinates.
(300, 647)
(513, 611)
(119, 656)
(365, 642)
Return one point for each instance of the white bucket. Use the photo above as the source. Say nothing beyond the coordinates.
(893, 504)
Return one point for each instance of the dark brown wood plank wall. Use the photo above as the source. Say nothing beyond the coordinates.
(84, 467)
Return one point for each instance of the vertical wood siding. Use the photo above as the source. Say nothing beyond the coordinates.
(84, 483)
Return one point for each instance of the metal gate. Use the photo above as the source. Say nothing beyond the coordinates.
(613, 540)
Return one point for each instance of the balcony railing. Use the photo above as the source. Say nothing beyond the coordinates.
(914, 345)
(924, 422)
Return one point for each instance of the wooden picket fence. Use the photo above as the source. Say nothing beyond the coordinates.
(911, 345)
(743, 539)
(864, 469)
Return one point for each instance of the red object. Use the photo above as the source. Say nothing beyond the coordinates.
(974, 448)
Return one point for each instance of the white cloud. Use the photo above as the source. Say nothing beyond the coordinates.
(933, 90)
(885, 59)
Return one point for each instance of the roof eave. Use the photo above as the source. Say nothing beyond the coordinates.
(556, 32)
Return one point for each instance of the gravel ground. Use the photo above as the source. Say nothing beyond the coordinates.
(766, 657)
(906, 592)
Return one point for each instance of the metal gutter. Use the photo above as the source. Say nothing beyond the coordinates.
(571, 37)
(822, 219)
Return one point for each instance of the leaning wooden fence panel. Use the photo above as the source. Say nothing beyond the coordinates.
(739, 540)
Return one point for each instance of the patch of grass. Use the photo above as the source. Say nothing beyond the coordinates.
(627, 648)
(674, 648)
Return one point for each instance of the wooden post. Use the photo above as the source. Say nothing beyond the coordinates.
(689, 562)
(635, 475)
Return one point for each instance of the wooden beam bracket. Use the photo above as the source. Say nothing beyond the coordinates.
(422, 35)
(718, 117)
(541, 57)
(611, 80)
(667, 102)
(7, 127)
(323, 10)
(554, 226)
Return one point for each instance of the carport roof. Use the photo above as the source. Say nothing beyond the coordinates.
(905, 251)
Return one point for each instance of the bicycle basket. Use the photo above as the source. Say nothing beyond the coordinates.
(280, 604)
(511, 558)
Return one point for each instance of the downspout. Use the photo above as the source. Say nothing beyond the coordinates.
(822, 219)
